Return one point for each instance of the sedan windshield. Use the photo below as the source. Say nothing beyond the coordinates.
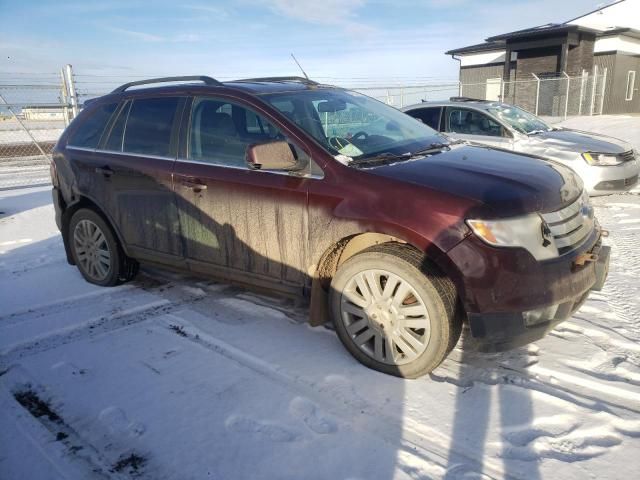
(354, 125)
(519, 119)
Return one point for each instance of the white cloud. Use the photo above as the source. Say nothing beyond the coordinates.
(341, 13)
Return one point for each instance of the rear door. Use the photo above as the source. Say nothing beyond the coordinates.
(475, 126)
(246, 225)
(135, 161)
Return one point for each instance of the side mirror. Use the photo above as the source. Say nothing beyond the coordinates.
(276, 155)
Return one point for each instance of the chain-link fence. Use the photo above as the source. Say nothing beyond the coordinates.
(35, 108)
(32, 117)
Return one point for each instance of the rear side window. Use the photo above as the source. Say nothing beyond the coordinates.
(88, 133)
(114, 142)
(149, 125)
(429, 116)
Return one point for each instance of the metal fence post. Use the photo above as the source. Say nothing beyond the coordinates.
(582, 79)
(72, 91)
(65, 98)
(603, 90)
(594, 86)
(537, 91)
(501, 89)
(566, 96)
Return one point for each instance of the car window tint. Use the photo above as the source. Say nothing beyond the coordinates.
(221, 131)
(114, 142)
(429, 116)
(148, 128)
(472, 122)
(90, 130)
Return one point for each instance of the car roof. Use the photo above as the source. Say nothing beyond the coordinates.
(457, 102)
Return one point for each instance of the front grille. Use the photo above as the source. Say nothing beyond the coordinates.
(627, 156)
(617, 184)
(569, 226)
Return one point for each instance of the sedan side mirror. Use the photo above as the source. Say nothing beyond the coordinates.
(278, 155)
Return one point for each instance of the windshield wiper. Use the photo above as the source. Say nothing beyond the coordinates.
(382, 158)
(540, 130)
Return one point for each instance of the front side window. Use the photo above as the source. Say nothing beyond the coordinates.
(149, 126)
(471, 122)
(88, 133)
(352, 124)
(220, 132)
(518, 119)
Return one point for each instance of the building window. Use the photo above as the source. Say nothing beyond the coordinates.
(631, 80)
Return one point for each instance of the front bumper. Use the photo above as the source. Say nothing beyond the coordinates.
(513, 302)
(599, 180)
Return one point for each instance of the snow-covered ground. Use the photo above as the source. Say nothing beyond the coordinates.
(178, 378)
(172, 377)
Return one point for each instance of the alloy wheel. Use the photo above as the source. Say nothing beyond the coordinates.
(385, 317)
(92, 250)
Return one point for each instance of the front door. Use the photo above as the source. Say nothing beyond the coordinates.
(475, 126)
(235, 221)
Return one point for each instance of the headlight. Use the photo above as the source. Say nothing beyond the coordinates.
(601, 159)
(529, 232)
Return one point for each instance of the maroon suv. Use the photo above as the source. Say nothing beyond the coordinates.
(389, 228)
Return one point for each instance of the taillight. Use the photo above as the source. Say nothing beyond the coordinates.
(54, 173)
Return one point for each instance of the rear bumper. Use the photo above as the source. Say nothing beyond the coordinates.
(513, 303)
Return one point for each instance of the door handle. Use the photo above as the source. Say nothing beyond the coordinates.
(106, 171)
(194, 185)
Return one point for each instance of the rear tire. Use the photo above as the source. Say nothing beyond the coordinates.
(96, 251)
(394, 311)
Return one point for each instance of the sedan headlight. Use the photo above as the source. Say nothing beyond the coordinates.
(601, 159)
(529, 232)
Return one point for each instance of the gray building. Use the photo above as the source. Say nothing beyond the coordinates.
(590, 64)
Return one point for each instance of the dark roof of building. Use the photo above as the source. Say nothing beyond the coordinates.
(497, 42)
(479, 47)
(629, 32)
(541, 30)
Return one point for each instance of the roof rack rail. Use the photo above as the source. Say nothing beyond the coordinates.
(202, 78)
(467, 99)
(306, 81)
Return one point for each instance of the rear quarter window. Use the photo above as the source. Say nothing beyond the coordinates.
(88, 133)
(429, 116)
(149, 126)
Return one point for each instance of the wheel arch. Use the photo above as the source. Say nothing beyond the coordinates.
(82, 201)
(351, 245)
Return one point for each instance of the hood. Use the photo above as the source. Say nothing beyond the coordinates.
(509, 184)
(566, 140)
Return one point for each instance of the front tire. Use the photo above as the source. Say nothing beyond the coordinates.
(394, 311)
(96, 251)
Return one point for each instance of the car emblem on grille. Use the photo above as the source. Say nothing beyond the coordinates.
(587, 211)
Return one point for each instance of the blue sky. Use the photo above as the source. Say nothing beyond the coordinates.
(347, 39)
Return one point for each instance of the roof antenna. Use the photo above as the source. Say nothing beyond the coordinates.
(300, 67)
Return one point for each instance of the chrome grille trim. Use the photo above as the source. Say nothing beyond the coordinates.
(568, 225)
(627, 156)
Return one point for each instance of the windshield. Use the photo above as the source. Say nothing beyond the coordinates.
(519, 119)
(352, 124)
